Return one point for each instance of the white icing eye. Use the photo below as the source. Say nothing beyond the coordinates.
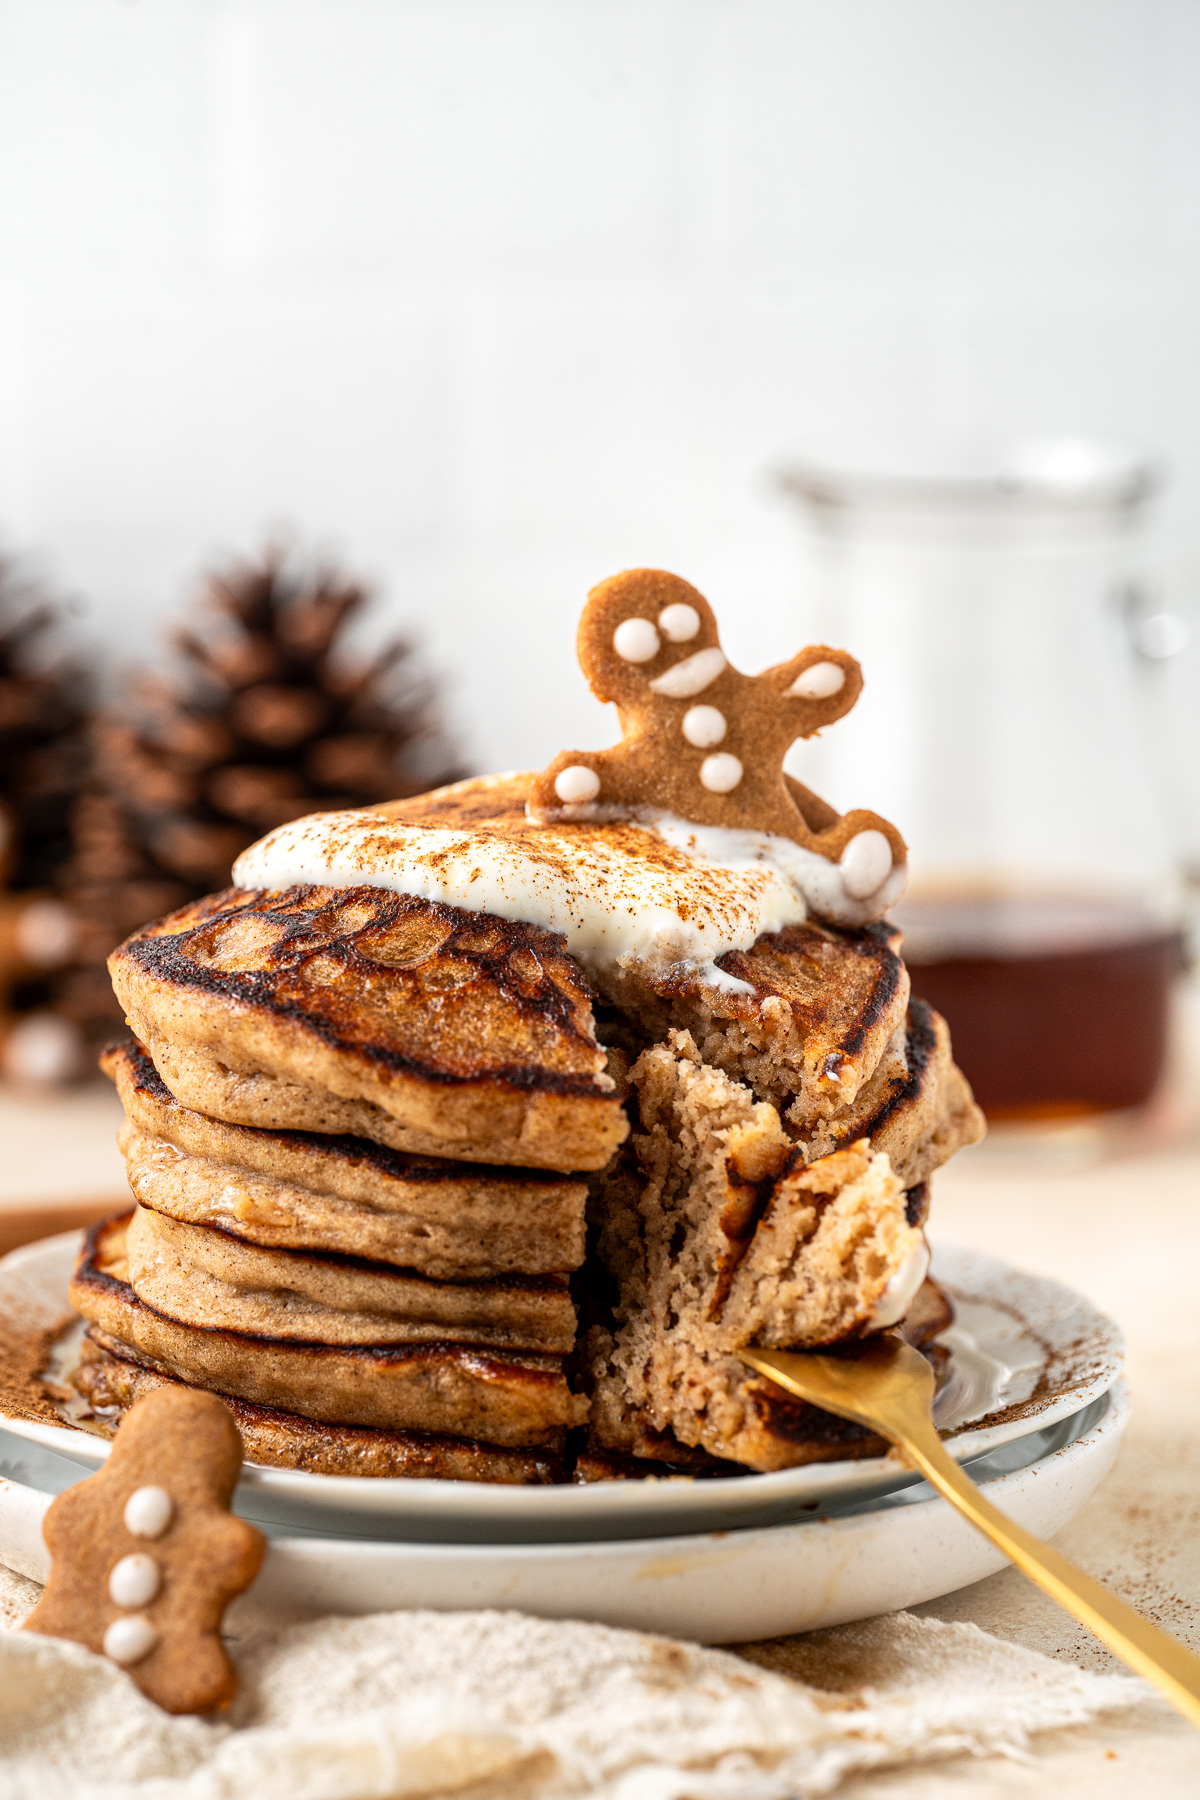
(129, 1640)
(820, 681)
(704, 726)
(679, 622)
(135, 1580)
(691, 676)
(576, 784)
(148, 1512)
(866, 863)
(635, 640)
(721, 773)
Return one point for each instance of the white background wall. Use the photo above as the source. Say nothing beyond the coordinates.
(498, 296)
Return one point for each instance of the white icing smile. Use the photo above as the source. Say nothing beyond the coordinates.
(691, 676)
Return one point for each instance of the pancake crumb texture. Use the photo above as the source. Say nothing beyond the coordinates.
(720, 1234)
(803, 1018)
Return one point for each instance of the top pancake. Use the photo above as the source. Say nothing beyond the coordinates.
(422, 1026)
(433, 1029)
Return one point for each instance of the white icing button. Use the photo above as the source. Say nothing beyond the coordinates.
(576, 783)
(866, 863)
(635, 640)
(135, 1580)
(704, 726)
(819, 681)
(148, 1512)
(691, 676)
(679, 622)
(128, 1640)
(721, 773)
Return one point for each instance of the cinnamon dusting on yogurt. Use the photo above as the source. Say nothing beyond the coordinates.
(658, 890)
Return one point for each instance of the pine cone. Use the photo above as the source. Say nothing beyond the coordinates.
(43, 761)
(263, 718)
(43, 745)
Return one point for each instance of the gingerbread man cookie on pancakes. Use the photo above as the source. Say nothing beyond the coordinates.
(703, 742)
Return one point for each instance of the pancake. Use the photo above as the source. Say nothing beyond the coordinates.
(430, 1028)
(421, 1026)
(112, 1378)
(303, 1190)
(673, 925)
(201, 1276)
(515, 1399)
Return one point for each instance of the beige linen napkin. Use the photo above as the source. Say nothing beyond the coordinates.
(429, 1704)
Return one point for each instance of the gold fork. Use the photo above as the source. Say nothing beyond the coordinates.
(888, 1386)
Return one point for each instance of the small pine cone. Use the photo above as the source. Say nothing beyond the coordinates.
(136, 769)
(21, 704)
(159, 788)
(239, 661)
(104, 848)
(86, 996)
(361, 762)
(309, 627)
(196, 740)
(107, 911)
(96, 932)
(201, 853)
(262, 797)
(279, 716)
(136, 901)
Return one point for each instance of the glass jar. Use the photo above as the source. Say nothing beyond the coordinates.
(1013, 657)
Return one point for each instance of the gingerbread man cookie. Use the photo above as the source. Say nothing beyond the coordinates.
(702, 741)
(147, 1556)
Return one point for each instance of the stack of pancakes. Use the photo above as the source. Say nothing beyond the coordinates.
(356, 1136)
(389, 1206)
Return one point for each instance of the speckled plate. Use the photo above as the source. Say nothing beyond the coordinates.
(833, 1565)
(1025, 1352)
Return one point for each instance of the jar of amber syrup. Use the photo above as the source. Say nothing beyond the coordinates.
(1012, 726)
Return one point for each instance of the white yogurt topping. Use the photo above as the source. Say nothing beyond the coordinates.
(902, 1289)
(659, 891)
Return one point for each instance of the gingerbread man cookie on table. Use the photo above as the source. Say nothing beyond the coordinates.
(705, 743)
(146, 1555)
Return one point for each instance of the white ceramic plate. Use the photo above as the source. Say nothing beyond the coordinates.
(1025, 1353)
(718, 1587)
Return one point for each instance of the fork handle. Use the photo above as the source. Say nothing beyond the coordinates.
(1173, 1669)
